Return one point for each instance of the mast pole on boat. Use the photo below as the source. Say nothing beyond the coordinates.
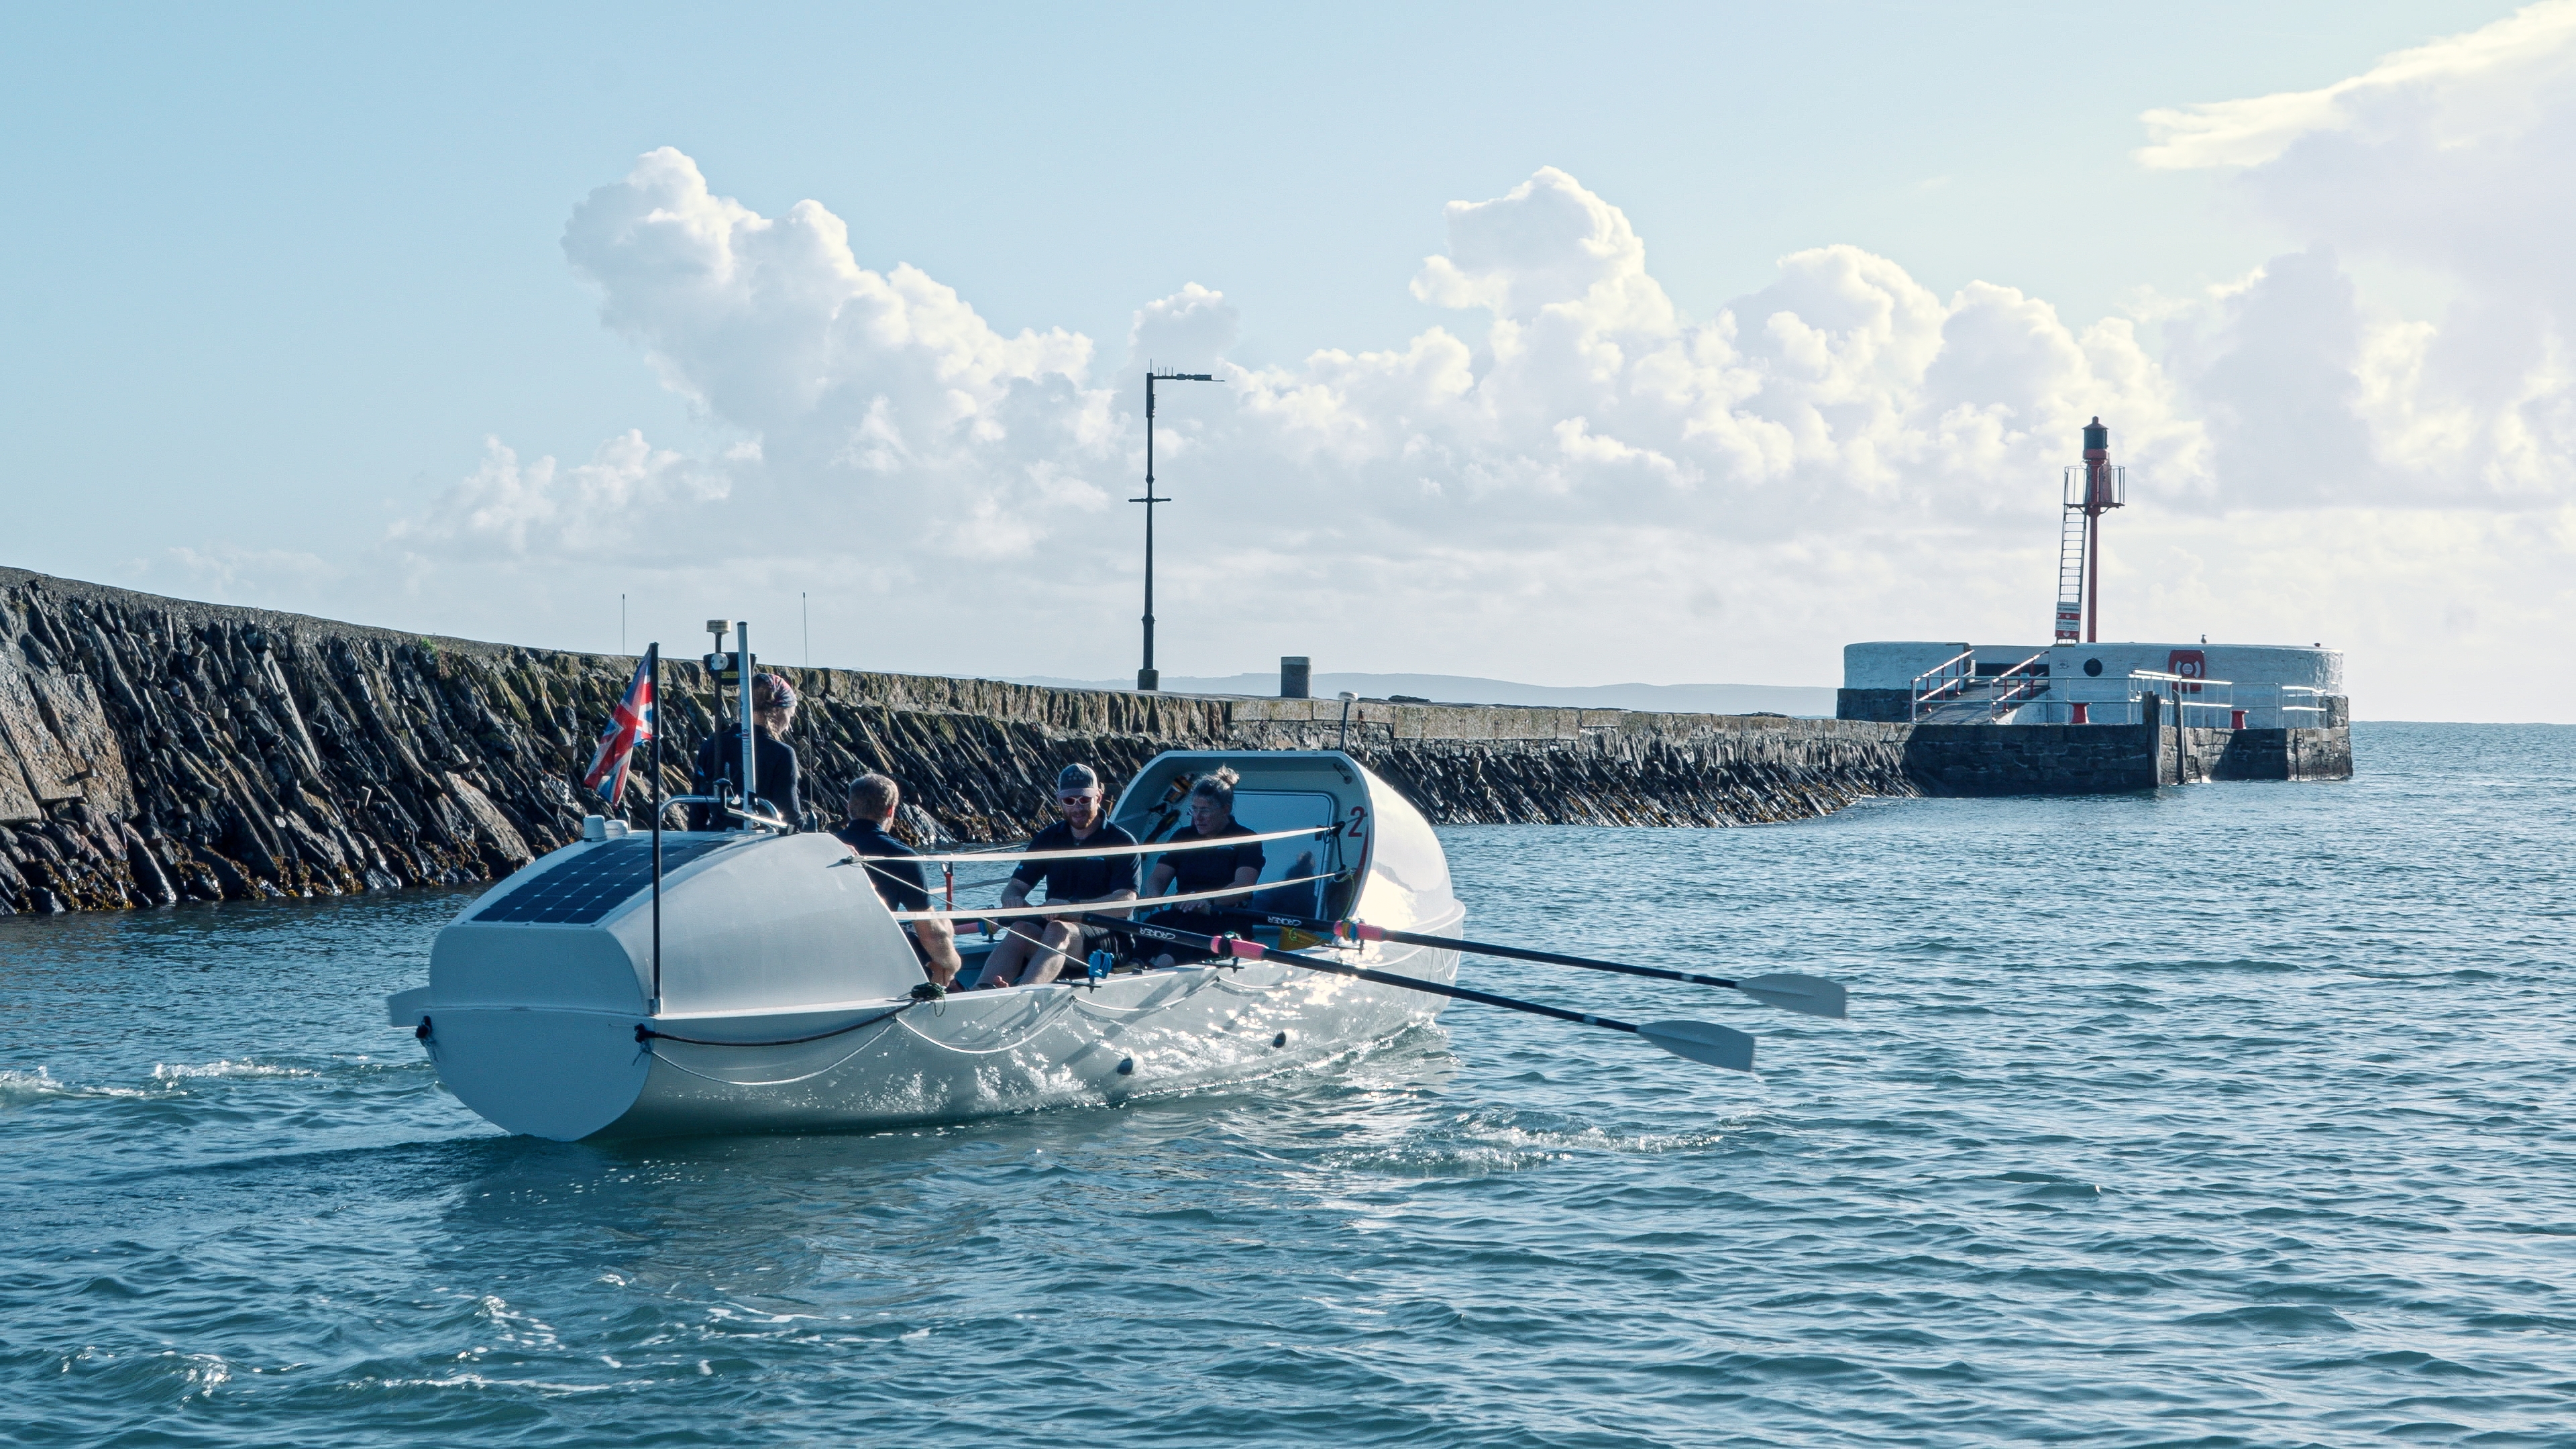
(653, 663)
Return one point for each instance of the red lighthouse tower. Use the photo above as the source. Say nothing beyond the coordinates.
(2093, 487)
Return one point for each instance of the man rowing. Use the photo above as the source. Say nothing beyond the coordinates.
(1027, 956)
(873, 801)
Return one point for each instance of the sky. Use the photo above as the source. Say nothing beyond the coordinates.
(1664, 344)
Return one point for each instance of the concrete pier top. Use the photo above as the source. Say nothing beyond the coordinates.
(1894, 664)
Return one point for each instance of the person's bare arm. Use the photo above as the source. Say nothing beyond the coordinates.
(1014, 895)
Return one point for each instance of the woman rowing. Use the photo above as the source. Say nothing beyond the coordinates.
(777, 783)
(1210, 868)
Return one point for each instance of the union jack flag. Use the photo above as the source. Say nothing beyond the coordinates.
(629, 725)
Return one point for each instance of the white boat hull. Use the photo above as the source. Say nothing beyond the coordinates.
(542, 1033)
(985, 1053)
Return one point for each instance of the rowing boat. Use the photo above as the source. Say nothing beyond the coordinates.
(760, 984)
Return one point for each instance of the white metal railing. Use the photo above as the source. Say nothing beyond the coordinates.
(2022, 694)
(2203, 703)
(1944, 682)
(2015, 687)
(2085, 701)
(2308, 702)
(2214, 699)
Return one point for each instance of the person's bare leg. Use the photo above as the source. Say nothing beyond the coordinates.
(1002, 968)
(939, 938)
(1060, 941)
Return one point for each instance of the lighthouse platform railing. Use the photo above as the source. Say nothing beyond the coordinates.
(2201, 703)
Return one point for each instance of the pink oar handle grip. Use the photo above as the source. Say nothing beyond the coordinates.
(1363, 931)
(1248, 950)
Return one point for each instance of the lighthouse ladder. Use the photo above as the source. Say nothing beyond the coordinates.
(2070, 578)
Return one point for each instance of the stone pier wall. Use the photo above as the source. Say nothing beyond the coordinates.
(154, 750)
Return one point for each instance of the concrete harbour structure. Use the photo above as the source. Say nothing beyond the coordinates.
(2080, 715)
(2098, 718)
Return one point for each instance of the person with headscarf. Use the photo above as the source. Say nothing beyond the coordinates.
(1211, 868)
(1027, 956)
(777, 784)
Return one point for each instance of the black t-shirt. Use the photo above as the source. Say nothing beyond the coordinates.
(776, 773)
(898, 878)
(1210, 870)
(1079, 880)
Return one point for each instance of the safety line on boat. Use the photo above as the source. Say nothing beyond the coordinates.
(1044, 1024)
(1141, 903)
(645, 1033)
(1094, 1008)
(780, 1082)
(1173, 846)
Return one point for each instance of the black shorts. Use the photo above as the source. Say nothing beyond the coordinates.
(1093, 937)
(1173, 918)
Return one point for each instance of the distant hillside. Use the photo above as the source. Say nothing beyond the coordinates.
(1789, 699)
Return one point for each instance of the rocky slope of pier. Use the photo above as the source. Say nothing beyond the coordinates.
(154, 750)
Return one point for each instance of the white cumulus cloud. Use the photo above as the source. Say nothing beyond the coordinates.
(1601, 486)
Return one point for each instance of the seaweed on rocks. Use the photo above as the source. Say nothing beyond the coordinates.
(157, 750)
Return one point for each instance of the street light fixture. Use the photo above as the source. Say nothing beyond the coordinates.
(1147, 678)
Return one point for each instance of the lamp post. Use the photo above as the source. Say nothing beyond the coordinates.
(1147, 678)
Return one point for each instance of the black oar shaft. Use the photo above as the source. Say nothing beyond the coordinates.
(1222, 945)
(1515, 953)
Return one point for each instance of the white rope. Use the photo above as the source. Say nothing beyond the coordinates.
(781, 1082)
(1094, 1008)
(1040, 1030)
(1069, 908)
(1169, 847)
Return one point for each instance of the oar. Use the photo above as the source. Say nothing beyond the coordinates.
(1700, 1041)
(1814, 995)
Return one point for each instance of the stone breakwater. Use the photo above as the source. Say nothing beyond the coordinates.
(154, 750)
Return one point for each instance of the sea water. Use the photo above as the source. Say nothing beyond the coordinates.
(2235, 1114)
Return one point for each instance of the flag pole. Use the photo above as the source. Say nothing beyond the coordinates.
(653, 663)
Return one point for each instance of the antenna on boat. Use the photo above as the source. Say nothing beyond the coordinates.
(738, 664)
(742, 671)
(653, 662)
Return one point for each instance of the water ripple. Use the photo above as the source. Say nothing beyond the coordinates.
(2231, 1115)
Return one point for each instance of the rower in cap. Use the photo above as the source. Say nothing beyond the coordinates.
(1027, 956)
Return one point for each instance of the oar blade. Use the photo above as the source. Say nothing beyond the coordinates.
(1791, 991)
(1702, 1042)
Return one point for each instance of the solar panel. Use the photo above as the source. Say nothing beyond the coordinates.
(593, 883)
